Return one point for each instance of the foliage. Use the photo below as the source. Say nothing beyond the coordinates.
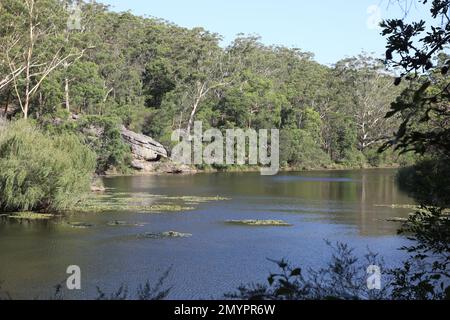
(425, 275)
(144, 292)
(419, 54)
(298, 149)
(41, 172)
(156, 77)
(102, 135)
(343, 278)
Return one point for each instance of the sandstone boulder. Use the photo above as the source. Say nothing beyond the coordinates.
(143, 147)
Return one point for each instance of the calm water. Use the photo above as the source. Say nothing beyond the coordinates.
(338, 206)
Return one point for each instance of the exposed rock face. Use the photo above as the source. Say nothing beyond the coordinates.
(164, 166)
(149, 155)
(143, 148)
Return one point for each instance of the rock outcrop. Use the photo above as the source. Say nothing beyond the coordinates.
(162, 166)
(143, 147)
(149, 156)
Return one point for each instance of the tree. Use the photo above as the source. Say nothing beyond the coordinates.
(209, 73)
(373, 92)
(418, 54)
(34, 47)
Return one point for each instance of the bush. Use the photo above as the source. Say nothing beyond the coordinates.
(298, 149)
(102, 135)
(344, 277)
(40, 172)
(424, 275)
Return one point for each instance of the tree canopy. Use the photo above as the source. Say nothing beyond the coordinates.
(155, 77)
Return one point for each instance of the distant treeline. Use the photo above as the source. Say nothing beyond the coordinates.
(154, 77)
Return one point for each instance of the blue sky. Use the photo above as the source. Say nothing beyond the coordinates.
(331, 29)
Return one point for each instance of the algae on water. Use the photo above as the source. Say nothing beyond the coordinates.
(30, 216)
(166, 234)
(260, 223)
(141, 203)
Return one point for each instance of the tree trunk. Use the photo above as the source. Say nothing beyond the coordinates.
(28, 60)
(201, 92)
(8, 97)
(25, 107)
(192, 116)
(66, 94)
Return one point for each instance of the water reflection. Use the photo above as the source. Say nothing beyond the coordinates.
(334, 205)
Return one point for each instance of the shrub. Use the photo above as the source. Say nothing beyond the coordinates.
(344, 277)
(102, 135)
(41, 172)
(298, 149)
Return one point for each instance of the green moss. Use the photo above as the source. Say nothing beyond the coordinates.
(114, 207)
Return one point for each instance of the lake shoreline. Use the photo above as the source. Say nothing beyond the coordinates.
(194, 171)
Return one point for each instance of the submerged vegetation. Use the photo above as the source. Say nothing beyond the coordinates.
(260, 223)
(166, 234)
(30, 216)
(141, 203)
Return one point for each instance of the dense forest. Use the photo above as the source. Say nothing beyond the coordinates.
(154, 77)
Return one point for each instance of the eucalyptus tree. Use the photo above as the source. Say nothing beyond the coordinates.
(33, 45)
(372, 92)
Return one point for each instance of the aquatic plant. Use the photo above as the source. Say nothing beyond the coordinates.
(261, 223)
(30, 216)
(141, 203)
(166, 234)
(119, 223)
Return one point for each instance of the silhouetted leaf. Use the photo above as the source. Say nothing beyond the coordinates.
(296, 272)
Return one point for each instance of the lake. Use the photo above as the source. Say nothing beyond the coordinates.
(348, 206)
